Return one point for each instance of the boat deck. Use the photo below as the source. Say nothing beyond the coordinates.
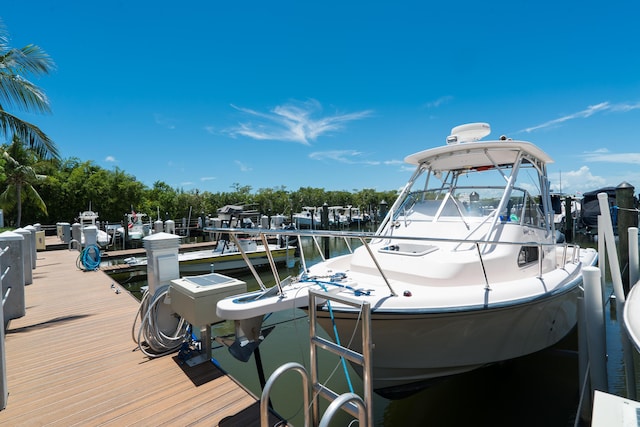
(71, 361)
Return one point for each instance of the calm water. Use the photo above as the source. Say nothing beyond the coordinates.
(537, 390)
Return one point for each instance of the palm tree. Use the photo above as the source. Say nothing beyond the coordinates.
(20, 172)
(16, 92)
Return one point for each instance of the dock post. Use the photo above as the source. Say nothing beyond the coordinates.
(325, 226)
(596, 334)
(76, 234)
(568, 219)
(4, 391)
(585, 401)
(26, 254)
(634, 258)
(34, 247)
(12, 276)
(627, 217)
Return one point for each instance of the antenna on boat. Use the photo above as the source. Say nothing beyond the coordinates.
(469, 132)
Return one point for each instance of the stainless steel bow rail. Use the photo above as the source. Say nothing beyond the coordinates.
(365, 239)
(350, 402)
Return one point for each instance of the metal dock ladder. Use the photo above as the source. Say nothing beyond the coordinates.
(349, 402)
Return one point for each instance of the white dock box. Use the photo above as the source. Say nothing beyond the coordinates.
(195, 298)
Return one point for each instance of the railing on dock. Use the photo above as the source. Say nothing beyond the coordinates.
(350, 402)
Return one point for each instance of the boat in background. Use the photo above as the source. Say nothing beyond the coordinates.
(356, 217)
(226, 256)
(90, 218)
(136, 229)
(588, 220)
(464, 270)
(308, 217)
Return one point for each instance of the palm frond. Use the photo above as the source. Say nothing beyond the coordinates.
(32, 194)
(35, 138)
(17, 92)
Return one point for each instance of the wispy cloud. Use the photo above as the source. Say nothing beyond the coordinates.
(208, 178)
(603, 155)
(295, 122)
(166, 122)
(438, 102)
(342, 156)
(243, 167)
(110, 159)
(396, 162)
(587, 112)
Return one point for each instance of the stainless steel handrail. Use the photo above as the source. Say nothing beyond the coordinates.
(344, 399)
(264, 399)
(247, 261)
(365, 239)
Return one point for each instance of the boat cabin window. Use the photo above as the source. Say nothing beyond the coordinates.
(527, 255)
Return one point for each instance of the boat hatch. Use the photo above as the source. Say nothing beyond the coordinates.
(409, 249)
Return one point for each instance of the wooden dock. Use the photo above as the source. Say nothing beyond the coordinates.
(71, 361)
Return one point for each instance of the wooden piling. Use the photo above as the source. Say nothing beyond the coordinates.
(568, 219)
(627, 217)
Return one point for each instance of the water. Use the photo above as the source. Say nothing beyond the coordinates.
(540, 389)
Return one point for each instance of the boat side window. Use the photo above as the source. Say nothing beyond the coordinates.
(527, 255)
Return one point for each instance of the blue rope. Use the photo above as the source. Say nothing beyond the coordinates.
(356, 292)
(335, 332)
(90, 257)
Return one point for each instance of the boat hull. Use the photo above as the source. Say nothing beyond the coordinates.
(413, 349)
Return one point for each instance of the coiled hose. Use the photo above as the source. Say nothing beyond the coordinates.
(89, 258)
(151, 340)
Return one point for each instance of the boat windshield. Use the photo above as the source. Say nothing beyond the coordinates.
(501, 193)
(467, 203)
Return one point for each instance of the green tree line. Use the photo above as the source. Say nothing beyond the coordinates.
(72, 185)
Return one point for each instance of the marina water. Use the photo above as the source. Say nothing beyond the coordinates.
(536, 390)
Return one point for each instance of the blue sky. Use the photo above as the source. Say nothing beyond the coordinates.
(333, 94)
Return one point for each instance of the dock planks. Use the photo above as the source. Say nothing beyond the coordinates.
(71, 361)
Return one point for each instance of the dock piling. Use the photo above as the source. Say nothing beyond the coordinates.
(627, 217)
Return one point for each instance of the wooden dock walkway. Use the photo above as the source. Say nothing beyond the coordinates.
(71, 361)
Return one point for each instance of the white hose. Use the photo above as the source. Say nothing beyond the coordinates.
(152, 341)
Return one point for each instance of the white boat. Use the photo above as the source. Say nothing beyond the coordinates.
(355, 216)
(336, 216)
(308, 217)
(89, 218)
(137, 229)
(464, 271)
(227, 256)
